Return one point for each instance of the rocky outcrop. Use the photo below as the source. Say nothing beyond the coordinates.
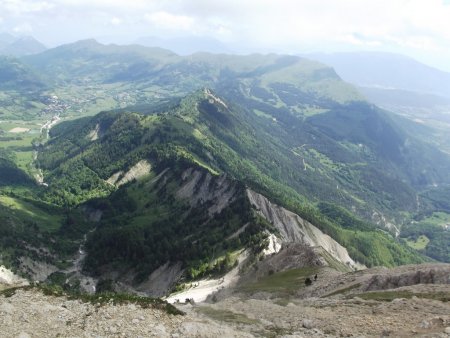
(293, 229)
(418, 275)
(137, 171)
(200, 187)
(37, 270)
(94, 133)
(161, 280)
(289, 256)
(7, 277)
(32, 314)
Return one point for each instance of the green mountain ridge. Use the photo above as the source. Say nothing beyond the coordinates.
(202, 130)
(219, 136)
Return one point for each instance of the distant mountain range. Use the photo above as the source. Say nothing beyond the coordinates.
(19, 46)
(388, 71)
(394, 81)
(186, 45)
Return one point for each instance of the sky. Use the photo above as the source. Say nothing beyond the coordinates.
(416, 28)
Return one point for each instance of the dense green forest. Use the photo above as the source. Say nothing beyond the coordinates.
(39, 231)
(438, 236)
(145, 234)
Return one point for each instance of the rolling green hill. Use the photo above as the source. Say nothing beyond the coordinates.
(86, 61)
(15, 75)
(21, 88)
(11, 174)
(31, 230)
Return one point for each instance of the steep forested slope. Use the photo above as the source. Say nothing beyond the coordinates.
(188, 147)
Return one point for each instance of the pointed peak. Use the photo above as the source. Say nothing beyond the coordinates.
(6, 37)
(88, 43)
(204, 104)
(213, 98)
(206, 95)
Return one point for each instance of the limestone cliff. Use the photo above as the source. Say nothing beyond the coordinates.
(293, 229)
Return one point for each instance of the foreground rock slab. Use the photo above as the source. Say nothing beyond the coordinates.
(407, 301)
(29, 313)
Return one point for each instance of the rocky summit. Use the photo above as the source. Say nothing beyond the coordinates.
(408, 301)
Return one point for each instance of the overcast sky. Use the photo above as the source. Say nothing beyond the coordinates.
(418, 28)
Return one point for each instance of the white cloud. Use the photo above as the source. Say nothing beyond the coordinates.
(18, 7)
(116, 21)
(107, 4)
(407, 25)
(287, 21)
(24, 28)
(170, 21)
(268, 21)
(358, 40)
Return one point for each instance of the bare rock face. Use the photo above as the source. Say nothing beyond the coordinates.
(200, 187)
(38, 270)
(161, 280)
(425, 275)
(137, 171)
(94, 133)
(293, 229)
(290, 256)
(7, 277)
